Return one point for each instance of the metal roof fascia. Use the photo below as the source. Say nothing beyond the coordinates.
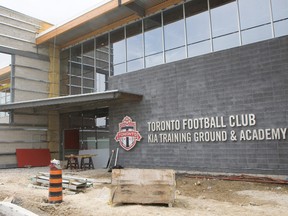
(75, 21)
(113, 94)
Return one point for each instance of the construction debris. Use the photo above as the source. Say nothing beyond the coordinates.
(76, 184)
(143, 186)
(10, 209)
(244, 178)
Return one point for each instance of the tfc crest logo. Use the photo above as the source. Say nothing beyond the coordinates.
(127, 135)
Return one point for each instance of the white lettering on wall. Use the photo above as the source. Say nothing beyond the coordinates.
(212, 129)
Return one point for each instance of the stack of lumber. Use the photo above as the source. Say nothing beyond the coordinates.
(68, 182)
(143, 186)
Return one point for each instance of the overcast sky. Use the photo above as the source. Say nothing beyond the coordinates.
(52, 11)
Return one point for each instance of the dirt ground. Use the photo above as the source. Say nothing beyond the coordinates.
(194, 197)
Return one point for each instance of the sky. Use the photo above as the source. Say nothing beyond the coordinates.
(51, 11)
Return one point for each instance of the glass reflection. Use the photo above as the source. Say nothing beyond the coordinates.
(158, 41)
(174, 28)
(226, 42)
(88, 66)
(221, 24)
(153, 35)
(117, 46)
(102, 60)
(118, 52)
(134, 41)
(280, 9)
(154, 60)
(254, 13)
(135, 65)
(5, 82)
(175, 54)
(281, 28)
(64, 69)
(199, 48)
(197, 21)
(134, 46)
(100, 82)
(256, 34)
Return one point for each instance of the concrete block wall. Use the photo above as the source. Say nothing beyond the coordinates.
(29, 81)
(30, 77)
(12, 138)
(251, 79)
(18, 31)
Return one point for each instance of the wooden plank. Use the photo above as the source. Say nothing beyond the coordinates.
(80, 179)
(162, 6)
(144, 186)
(101, 30)
(65, 185)
(146, 194)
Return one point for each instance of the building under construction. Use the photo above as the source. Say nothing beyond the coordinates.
(198, 85)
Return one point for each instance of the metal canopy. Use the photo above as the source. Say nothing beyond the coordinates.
(73, 103)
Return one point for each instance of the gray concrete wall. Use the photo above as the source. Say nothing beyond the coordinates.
(251, 79)
(29, 81)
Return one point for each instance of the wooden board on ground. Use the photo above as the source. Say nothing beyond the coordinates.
(143, 186)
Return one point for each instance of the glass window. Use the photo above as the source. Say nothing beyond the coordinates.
(254, 13)
(223, 27)
(174, 28)
(64, 71)
(75, 90)
(102, 54)
(197, 21)
(153, 40)
(281, 28)
(134, 41)
(135, 65)
(118, 52)
(76, 81)
(255, 20)
(76, 54)
(256, 34)
(76, 61)
(224, 18)
(101, 82)
(75, 69)
(88, 64)
(5, 82)
(280, 17)
(119, 69)
(117, 46)
(175, 54)
(154, 60)
(153, 35)
(226, 42)
(88, 53)
(280, 9)
(199, 48)
(102, 61)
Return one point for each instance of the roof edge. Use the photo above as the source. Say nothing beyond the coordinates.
(98, 10)
(67, 99)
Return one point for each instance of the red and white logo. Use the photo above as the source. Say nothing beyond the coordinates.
(127, 135)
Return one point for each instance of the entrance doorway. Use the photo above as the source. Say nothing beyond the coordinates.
(86, 132)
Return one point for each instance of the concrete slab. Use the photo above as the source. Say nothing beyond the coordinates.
(10, 209)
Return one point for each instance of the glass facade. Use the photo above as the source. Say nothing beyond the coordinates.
(186, 30)
(5, 74)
